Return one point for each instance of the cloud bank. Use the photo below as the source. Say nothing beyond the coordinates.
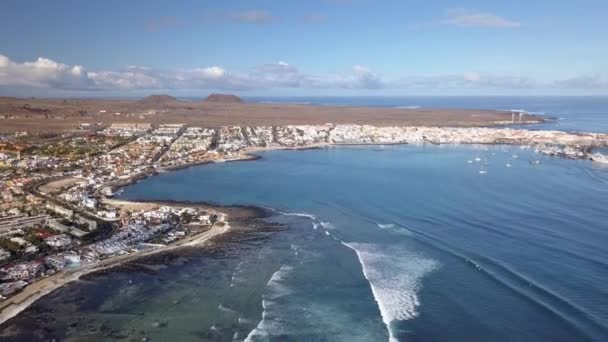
(44, 73)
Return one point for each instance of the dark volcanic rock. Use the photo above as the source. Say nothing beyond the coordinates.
(157, 100)
(223, 98)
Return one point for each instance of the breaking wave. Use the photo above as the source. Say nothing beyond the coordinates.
(307, 215)
(275, 289)
(395, 278)
(328, 225)
(236, 278)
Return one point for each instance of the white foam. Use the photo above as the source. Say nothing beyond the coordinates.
(307, 215)
(222, 308)
(245, 321)
(295, 249)
(328, 225)
(236, 279)
(310, 216)
(395, 277)
(275, 289)
(386, 225)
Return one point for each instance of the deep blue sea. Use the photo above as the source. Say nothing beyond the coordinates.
(376, 243)
(413, 243)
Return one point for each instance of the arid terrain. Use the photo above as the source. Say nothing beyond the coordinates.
(53, 115)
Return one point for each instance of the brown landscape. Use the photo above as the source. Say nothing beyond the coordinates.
(54, 115)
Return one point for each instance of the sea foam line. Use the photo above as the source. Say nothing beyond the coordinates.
(394, 276)
(307, 215)
(328, 225)
(235, 274)
(277, 290)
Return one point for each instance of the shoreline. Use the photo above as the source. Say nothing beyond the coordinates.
(238, 216)
(37, 290)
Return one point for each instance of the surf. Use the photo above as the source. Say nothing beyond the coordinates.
(395, 279)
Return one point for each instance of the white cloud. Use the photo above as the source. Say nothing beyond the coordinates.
(588, 82)
(280, 74)
(4, 61)
(472, 77)
(469, 80)
(468, 18)
(360, 78)
(46, 74)
(41, 73)
(212, 73)
(125, 80)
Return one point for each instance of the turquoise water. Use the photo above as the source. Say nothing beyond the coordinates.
(375, 243)
(414, 243)
(409, 243)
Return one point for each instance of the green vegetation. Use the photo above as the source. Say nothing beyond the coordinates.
(77, 147)
(186, 217)
(10, 246)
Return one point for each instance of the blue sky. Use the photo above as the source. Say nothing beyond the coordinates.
(308, 47)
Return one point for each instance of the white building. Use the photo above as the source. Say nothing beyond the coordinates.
(58, 241)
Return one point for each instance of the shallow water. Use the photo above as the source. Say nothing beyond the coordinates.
(517, 253)
(379, 242)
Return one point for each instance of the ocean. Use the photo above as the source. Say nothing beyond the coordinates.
(368, 243)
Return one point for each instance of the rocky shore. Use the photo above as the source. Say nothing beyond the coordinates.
(234, 143)
(238, 215)
(60, 318)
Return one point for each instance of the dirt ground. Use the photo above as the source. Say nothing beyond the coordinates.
(59, 185)
(54, 115)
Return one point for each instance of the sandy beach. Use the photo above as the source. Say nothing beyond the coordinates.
(232, 215)
(30, 294)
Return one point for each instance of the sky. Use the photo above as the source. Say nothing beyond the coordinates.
(303, 47)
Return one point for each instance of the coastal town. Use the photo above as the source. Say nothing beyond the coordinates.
(58, 214)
